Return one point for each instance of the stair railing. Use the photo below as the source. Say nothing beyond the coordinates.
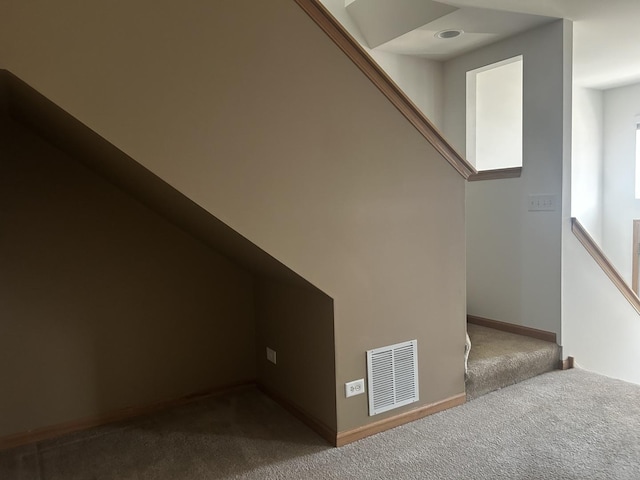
(601, 259)
(334, 29)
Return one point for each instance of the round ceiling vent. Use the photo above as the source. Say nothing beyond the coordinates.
(448, 34)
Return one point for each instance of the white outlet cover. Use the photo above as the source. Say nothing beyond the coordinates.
(354, 388)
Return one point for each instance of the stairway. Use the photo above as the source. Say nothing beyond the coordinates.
(499, 359)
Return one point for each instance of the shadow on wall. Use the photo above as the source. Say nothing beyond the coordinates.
(107, 303)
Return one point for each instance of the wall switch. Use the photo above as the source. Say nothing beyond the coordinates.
(271, 355)
(542, 203)
(354, 388)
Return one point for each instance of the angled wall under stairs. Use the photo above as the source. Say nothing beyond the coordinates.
(118, 292)
(106, 305)
(251, 112)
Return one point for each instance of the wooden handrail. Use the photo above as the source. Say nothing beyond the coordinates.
(383, 82)
(601, 259)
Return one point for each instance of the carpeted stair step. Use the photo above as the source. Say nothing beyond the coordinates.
(499, 359)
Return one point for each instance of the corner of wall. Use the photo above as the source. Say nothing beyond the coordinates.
(4, 92)
(296, 322)
(587, 160)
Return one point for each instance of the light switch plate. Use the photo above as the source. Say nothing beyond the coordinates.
(542, 203)
(271, 355)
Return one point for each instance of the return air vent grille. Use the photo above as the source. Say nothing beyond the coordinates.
(393, 376)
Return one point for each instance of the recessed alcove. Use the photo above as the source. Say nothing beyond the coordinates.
(121, 293)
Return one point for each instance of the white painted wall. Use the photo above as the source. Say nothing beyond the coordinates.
(419, 78)
(587, 163)
(620, 207)
(494, 115)
(599, 328)
(514, 256)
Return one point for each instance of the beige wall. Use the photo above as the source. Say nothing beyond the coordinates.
(105, 304)
(297, 323)
(251, 111)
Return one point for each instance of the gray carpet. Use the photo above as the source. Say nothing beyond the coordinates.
(560, 425)
(498, 359)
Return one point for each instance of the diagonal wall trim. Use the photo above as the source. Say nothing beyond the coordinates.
(29, 107)
(497, 174)
(383, 82)
(601, 259)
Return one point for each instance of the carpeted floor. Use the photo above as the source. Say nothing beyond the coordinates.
(499, 359)
(560, 425)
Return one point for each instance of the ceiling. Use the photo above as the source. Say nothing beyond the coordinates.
(606, 32)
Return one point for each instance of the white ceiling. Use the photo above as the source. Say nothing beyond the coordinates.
(606, 33)
(380, 21)
(480, 26)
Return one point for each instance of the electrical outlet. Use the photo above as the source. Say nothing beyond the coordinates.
(354, 388)
(271, 355)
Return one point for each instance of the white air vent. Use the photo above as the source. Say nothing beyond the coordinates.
(393, 376)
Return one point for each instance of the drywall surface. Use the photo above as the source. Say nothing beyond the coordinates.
(621, 109)
(105, 305)
(513, 255)
(297, 323)
(5, 9)
(252, 112)
(495, 139)
(587, 162)
(600, 329)
(381, 21)
(419, 78)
